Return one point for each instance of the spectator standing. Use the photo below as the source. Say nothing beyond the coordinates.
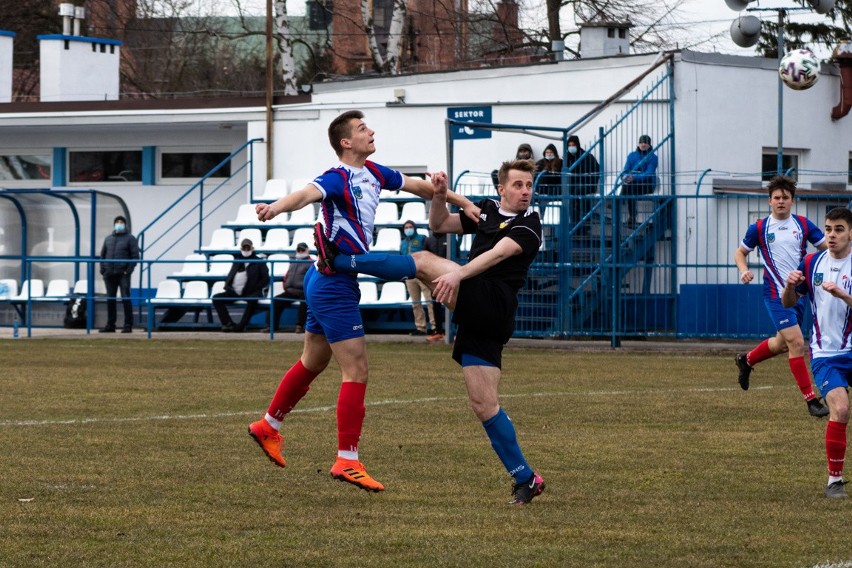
(412, 242)
(639, 176)
(583, 175)
(825, 277)
(119, 245)
(549, 172)
(524, 152)
(246, 281)
(294, 289)
(436, 243)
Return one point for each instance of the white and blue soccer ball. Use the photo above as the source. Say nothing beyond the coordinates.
(799, 69)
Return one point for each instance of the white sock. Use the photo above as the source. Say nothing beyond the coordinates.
(347, 455)
(276, 424)
(832, 479)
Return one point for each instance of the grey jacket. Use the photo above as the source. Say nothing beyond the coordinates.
(116, 246)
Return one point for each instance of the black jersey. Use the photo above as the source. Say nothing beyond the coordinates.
(523, 228)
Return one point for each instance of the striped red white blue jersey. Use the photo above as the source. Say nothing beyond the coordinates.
(782, 246)
(350, 197)
(832, 327)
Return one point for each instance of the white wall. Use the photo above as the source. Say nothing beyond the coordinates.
(75, 69)
(6, 45)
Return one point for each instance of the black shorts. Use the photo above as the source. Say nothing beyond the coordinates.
(485, 316)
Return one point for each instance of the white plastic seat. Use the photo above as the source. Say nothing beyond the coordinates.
(81, 287)
(552, 215)
(220, 268)
(57, 289)
(29, 289)
(168, 292)
(299, 183)
(278, 265)
(466, 241)
(217, 288)
(254, 235)
(222, 239)
(303, 235)
(393, 293)
(414, 211)
(8, 288)
(386, 214)
(277, 288)
(305, 216)
(274, 189)
(388, 240)
(195, 291)
(276, 239)
(193, 265)
(369, 292)
(246, 215)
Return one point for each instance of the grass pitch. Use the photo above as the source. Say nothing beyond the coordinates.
(134, 453)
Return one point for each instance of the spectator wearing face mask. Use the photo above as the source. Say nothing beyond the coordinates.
(524, 152)
(583, 177)
(412, 242)
(294, 289)
(119, 245)
(246, 281)
(549, 182)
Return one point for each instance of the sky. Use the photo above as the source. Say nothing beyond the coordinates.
(703, 24)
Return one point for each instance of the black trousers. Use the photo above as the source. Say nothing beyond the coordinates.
(221, 301)
(281, 301)
(114, 283)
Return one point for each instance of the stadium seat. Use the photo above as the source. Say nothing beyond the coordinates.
(465, 242)
(217, 288)
(274, 190)
(81, 287)
(195, 291)
(388, 240)
(57, 289)
(303, 235)
(254, 235)
(193, 265)
(276, 240)
(414, 211)
(168, 292)
(393, 293)
(277, 288)
(552, 215)
(305, 216)
(387, 214)
(369, 293)
(220, 268)
(8, 288)
(278, 265)
(222, 239)
(29, 289)
(299, 183)
(245, 216)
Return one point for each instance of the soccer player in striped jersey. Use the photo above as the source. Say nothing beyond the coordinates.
(349, 197)
(825, 278)
(782, 239)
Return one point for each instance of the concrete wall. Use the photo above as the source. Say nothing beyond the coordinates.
(78, 68)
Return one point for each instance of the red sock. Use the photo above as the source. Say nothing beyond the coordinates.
(760, 353)
(350, 415)
(803, 378)
(835, 447)
(294, 385)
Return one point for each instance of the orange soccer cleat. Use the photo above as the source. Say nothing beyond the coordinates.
(354, 472)
(269, 440)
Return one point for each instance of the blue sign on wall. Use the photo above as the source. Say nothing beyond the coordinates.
(469, 114)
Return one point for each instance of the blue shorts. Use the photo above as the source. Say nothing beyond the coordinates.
(832, 372)
(782, 317)
(333, 306)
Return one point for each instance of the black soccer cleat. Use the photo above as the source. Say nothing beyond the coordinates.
(745, 370)
(523, 493)
(836, 490)
(817, 409)
(326, 251)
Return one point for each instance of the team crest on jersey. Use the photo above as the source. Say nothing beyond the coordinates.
(356, 191)
(504, 224)
(818, 279)
(770, 238)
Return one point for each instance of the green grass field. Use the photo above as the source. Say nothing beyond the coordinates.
(135, 453)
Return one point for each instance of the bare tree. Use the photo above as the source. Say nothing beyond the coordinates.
(285, 48)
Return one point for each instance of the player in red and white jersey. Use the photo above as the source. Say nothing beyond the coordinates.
(826, 278)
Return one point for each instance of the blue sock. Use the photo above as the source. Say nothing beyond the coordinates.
(379, 264)
(501, 432)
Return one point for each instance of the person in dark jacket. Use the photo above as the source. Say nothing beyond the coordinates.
(246, 280)
(583, 177)
(524, 152)
(639, 176)
(119, 245)
(550, 181)
(294, 289)
(436, 243)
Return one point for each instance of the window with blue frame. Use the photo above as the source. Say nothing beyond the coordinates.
(110, 166)
(193, 165)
